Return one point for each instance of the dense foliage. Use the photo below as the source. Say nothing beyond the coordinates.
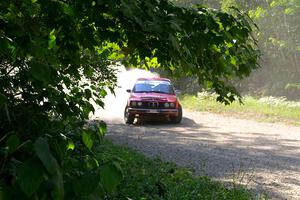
(56, 57)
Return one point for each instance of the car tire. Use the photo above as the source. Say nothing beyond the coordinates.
(128, 119)
(177, 120)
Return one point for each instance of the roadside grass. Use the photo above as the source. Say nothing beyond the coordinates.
(152, 179)
(267, 109)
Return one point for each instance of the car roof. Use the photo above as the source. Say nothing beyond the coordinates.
(154, 79)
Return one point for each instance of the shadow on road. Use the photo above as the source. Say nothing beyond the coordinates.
(252, 158)
(166, 122)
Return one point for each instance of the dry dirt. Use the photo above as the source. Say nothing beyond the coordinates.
(263, 156)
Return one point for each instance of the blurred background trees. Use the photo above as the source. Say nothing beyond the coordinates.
(278, 37)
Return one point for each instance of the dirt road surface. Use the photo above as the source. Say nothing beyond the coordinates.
(263, 156)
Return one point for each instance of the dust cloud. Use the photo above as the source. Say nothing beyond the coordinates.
(115, 104)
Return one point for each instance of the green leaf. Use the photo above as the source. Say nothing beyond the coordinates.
(66, 8)
(86, 184)
(110, 175)
(102, 128)
(70, 145)
(12, 142)
(88, 94)
(100, 103)
(87, 108)
(289, 11)
(4, 191)
(43, 152)
(88, 71)
(40, 72)
(58, 190)
(29, 177)
(174, 42)
(52, 40)
(103, 93)
(99, 193)
(2, 100)
(87, 140)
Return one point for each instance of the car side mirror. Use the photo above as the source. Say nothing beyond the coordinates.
(128, 90)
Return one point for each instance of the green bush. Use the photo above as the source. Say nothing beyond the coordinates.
(292, 90)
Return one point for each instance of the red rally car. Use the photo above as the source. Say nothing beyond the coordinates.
(153, 97)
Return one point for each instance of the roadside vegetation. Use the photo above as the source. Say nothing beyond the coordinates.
(147, 179)
(267, 109)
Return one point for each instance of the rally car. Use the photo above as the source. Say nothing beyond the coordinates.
(153, 98)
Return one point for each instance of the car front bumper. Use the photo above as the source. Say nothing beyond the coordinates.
(147, 111)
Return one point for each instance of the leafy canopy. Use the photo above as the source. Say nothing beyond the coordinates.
(56, 57)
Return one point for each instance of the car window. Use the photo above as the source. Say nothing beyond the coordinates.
(153, 86)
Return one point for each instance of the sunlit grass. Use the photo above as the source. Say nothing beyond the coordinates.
(268, 109)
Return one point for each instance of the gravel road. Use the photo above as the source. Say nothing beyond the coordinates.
(263, 156)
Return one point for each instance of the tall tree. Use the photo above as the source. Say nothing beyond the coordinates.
(281, 41)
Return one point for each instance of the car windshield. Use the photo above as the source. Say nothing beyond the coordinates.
(157, 86)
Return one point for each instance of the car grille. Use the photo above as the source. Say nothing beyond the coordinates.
(153, 105)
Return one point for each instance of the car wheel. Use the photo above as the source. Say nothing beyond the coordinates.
(177, 120)
(127, 117)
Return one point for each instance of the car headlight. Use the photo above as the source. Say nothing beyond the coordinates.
(139, 103)
(133, 103)
(166, 105)
(172, 105)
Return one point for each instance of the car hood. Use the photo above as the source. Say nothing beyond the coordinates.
(153, 97)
